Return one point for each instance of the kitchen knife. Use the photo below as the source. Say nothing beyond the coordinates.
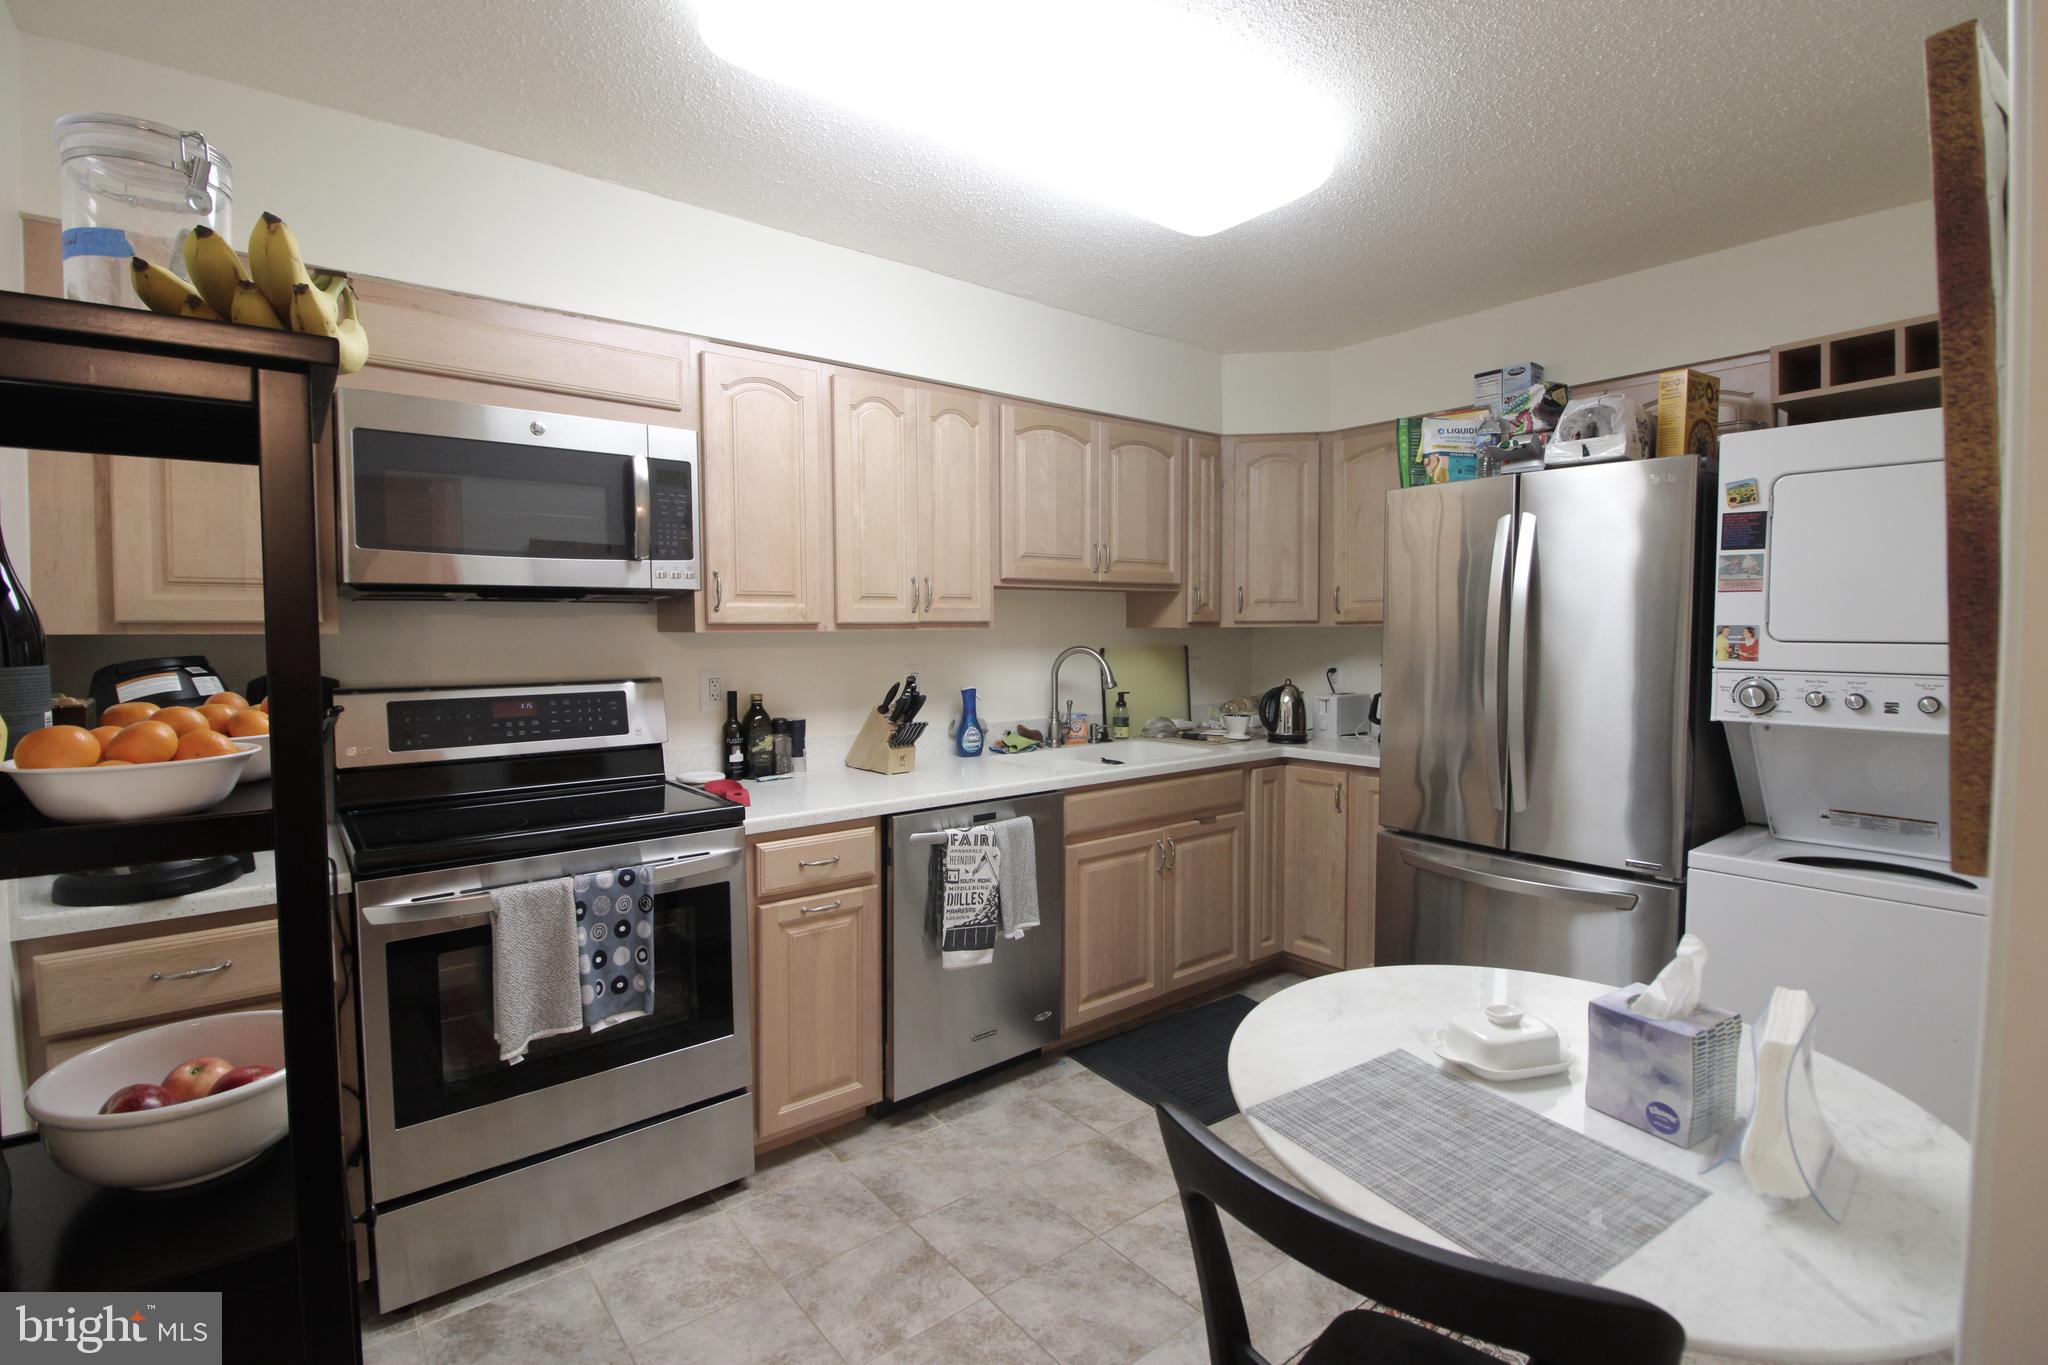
(902, 711)
(913, 702)
(888, 697)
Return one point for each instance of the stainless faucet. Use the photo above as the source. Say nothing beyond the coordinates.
(1057, 735)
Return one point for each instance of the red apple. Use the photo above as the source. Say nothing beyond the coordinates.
(189, 1080)
(240, 1077)
(132, 1099)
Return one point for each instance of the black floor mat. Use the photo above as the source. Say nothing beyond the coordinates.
(1183, 1057)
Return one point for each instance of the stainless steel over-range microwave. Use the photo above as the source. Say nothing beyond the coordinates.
(462, 500)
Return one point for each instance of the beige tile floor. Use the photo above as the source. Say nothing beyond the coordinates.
(891, 1241)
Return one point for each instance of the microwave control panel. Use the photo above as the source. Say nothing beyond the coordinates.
(672, 520)
(468, 721)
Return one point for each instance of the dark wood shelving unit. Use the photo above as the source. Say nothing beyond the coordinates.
(1893, 368)
(114, 381)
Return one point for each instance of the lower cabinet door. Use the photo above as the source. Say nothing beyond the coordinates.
(1362, 812)
(818, 1010)
(1268, 860)
(1312, 918)
(1204, 922)
(1114, 894)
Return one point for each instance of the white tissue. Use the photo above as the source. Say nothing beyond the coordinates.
(1788, 1143)
(1676, 991)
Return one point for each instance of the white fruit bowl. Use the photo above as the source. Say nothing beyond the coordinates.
(259, 766)
(141, 791)
(180, 1144)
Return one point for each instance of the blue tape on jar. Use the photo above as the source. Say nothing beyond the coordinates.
(96, 241)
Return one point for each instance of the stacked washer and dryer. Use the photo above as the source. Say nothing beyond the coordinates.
(1831, 677)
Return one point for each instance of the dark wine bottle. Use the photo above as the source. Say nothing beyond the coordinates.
(735, 742)
(24, 669)
(760, 741)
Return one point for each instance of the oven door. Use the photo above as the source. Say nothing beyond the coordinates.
(459, 497)
(441, 1105)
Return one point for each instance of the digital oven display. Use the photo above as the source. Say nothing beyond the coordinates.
(466, 722)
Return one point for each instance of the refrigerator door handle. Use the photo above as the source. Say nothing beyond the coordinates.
(1518, 661)
(1489, 684)
(1609, 900)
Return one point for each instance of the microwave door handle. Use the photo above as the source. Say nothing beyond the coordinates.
(643, 510)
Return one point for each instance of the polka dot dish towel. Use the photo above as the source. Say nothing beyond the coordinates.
(615, 936)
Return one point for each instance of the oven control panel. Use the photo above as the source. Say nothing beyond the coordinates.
(443, 724)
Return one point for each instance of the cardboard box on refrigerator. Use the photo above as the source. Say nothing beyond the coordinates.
(1442, 447)
(1688, 413)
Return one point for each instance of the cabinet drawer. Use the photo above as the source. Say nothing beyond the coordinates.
(65, 1049)
(1165, 801)
(97, 988)
(805, 861)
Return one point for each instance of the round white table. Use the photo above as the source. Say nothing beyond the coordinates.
(1744, 1276)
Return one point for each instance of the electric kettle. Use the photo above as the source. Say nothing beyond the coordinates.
(1284, 713)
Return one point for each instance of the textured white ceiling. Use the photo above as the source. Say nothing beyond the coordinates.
(1500, 148)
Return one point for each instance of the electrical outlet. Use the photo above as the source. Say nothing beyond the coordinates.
(710, 689)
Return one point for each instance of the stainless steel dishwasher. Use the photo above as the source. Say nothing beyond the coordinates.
(944, 1025)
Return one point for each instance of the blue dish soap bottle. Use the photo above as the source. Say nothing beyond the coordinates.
(967, 741)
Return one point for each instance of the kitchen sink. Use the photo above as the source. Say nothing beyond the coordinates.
(1136, 753)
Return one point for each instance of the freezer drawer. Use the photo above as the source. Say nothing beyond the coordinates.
(1443, 904)
(947, 1024)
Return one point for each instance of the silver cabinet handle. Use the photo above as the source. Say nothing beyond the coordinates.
(1340, 796)
(216, 968)
(817, 862)
(927, 594)
(1158, 856)
(913, 594)
(717, 591)
(1337, 600)
(1172, 854)
(820, 909)
(1198, 596)
(1240, 599)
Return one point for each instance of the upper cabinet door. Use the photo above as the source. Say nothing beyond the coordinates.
(1142, 530)
(875, 488)
(956, 433)
(1050, 476)
(1205, 530)
(187, 541)
(767, 482)
(1275, 548)
(1361, 470)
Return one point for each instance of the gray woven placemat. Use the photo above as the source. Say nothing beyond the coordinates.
(1501, 1181)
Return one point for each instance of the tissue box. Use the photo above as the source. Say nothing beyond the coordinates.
(1671, 1077)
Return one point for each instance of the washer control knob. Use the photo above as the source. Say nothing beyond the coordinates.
(1756, 695)
(1930, 705)
(1855, 701)
(1816, 699)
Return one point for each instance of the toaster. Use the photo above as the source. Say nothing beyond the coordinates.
(1336, 715)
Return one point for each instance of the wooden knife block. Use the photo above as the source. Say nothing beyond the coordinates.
(871, 751)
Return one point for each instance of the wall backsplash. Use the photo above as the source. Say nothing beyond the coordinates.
(825, 677)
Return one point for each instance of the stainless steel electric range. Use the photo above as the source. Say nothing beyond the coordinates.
(475, 1165)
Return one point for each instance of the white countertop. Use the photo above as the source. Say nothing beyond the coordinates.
(1746, 1276)
(829, 792)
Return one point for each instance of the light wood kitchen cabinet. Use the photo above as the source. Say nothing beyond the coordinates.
(1204, 921)
(1359, 470)
(767, 490)
(818, 1044)
(1314, 879)
(1090, 502)
(1143, 475)
(912, 471)
(1361, 850)
(1266, 802)
(1113, 909)
(1275, 545)
(1200, 598)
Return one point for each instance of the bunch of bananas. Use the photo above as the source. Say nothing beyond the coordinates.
(273, 290)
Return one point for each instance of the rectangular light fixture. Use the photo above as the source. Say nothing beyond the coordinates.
(1131, 103)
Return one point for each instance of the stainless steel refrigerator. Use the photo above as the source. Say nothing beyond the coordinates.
(1546, 753)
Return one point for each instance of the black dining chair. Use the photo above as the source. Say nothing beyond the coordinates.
(1553, 1321)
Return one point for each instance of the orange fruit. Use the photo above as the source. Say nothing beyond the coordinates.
(264, 706)
(204, 744)
(248, 723)
(182, 719)
(128, 712)
(146, 741)
(57, 746)
(217, 717)
(105, 734)
(113, 763)
(234, 699)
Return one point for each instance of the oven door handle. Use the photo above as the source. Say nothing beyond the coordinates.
(690, 866)
(643, 509)
(662, 874)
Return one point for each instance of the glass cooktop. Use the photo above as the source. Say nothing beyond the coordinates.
(471, 829)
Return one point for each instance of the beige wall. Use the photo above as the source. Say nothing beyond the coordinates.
(2005, 1314)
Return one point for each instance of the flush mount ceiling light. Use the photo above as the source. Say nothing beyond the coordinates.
(1131, 103)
